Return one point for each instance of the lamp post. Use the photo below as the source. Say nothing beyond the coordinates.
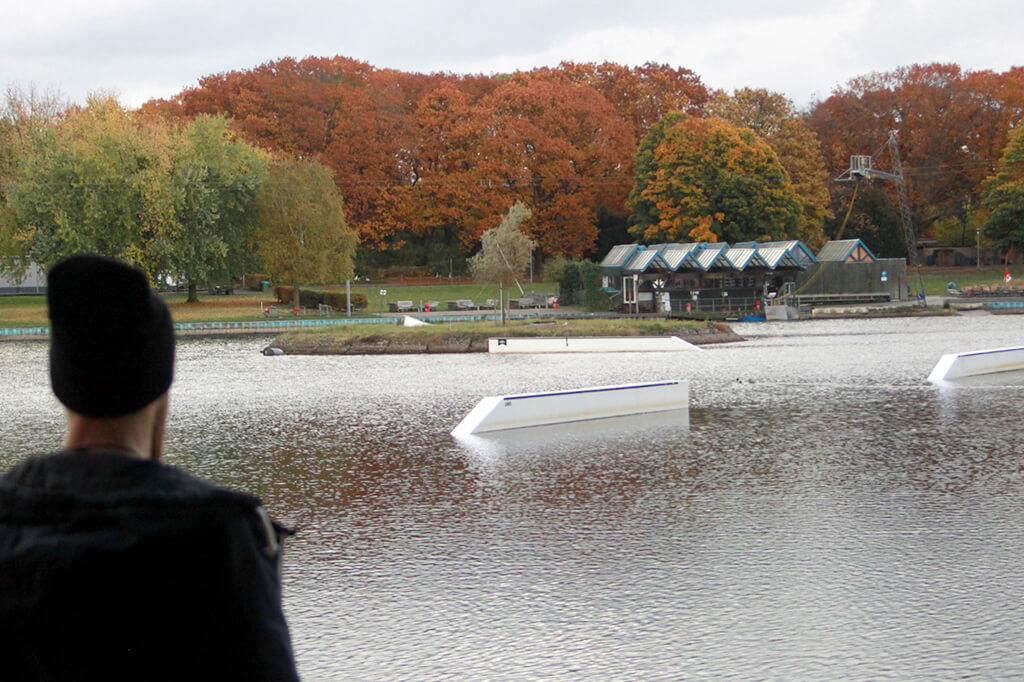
(978, 248)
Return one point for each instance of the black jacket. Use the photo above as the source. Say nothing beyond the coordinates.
(116, 568)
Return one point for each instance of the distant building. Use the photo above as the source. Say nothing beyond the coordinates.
(846, 271)
(745, 277)
(34, 282)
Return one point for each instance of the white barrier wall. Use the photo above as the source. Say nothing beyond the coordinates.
(495, 413)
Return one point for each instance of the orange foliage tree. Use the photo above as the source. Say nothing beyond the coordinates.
(710, 180)
(434, 159)
(560, 148)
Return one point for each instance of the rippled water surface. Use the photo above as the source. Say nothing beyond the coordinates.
(823, 513)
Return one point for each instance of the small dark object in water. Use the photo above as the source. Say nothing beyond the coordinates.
(271, 350)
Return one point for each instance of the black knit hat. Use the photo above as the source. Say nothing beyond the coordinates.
(111, 337)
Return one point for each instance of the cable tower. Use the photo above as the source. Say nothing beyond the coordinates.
(862, 168)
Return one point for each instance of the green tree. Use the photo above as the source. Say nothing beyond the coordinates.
(505, 251)
(23, 114)
(83, 186)
(710, 180)
(214, 179)
(645, 212)
(303, 234)
(775, 120)
(1004, 197)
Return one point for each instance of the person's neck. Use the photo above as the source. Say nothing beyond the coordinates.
(131, 435)
(106, 447)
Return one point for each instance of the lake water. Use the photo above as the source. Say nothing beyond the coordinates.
(824, 513)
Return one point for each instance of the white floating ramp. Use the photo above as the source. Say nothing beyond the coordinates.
(973, 363)
(587, 344)
(495, 413)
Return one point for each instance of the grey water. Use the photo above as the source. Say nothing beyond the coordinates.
(823, 513)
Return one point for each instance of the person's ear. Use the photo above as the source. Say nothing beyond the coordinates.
(159, 425)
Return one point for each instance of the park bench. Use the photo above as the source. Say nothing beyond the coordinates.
(462, 304)
(534, 301)
(402, 307)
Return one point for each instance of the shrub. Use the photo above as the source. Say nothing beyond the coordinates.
(336, 299)
(254, 281)
(310, 298)
(578, 284)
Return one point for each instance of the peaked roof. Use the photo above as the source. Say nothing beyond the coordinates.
(704, 256)
(743, 257)
(710, 255)
(643, 259)
(842, 249)
(676, 255)
(794, 247)
(618, 256)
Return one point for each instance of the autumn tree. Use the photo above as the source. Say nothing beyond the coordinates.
(952, 128)
(641, 94)
(428, 161)
(709, 180)
(1004, 197)
(214, 178)
(303, 235)
(351, 117)
(439, 169)
(775, 120)
(84, 186)
(560, 150)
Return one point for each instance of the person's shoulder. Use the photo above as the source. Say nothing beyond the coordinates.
(116, 478)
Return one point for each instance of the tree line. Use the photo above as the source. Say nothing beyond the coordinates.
(188, 201)
(598, 154)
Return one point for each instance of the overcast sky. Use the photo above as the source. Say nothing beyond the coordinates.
(141, 49)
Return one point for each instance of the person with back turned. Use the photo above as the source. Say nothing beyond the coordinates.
(114, 565)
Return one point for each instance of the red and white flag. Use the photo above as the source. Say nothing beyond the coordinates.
(1006, 276)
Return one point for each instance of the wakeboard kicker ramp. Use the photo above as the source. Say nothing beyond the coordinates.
(973, 363)
(588, 344)
(497, 413)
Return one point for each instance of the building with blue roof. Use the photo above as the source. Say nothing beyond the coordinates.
(743, 278)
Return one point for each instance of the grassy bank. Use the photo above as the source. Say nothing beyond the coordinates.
(466, 337)
(936, 280)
